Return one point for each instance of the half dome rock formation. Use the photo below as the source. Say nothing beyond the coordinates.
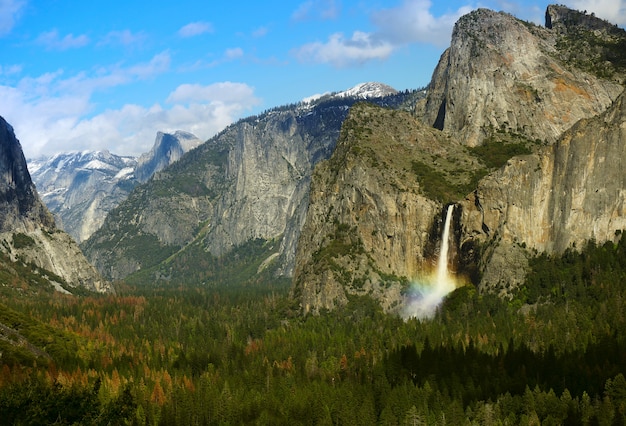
(167, 149)
(27, 229)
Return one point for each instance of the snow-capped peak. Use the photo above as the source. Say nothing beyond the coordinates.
(369, 90)
(360, 91)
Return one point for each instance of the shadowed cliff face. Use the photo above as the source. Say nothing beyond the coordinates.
(27, 229)
(20, 206)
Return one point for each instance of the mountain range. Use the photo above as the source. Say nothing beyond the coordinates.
(80, 188)
(521, 128)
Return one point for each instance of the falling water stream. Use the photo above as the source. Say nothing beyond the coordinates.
(427, 294)
(442, 265)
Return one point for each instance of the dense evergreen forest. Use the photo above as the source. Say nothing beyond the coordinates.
(243, 354)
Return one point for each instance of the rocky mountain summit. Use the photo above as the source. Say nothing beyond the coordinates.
(167, 149)
(500, 73)
(28, 233)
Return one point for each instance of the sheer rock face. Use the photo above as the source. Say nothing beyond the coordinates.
(568, 193)
(368, 225)
(22, 212)
(249, 182)
(20, 207)
(368, 222)
(501, 73)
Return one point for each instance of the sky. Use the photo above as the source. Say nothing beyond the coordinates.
(95, 75)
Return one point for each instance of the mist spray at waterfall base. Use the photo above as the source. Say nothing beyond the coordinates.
(427, 293)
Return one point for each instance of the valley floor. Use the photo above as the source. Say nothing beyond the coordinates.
(556, 354)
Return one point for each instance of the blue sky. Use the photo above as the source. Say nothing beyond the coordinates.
(77, 75)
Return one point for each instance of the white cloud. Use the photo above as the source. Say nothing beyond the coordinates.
(131, 129)
(51, 113)
(410, 22)
(10, 11)
(195, 28)
(54, 112)
(613, 11)
(341, 52)
(53, 41)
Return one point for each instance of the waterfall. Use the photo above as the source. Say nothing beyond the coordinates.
(442, 265)
(426, 293)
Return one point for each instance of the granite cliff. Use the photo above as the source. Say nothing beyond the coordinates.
(525, 134)
(248, 183)
(500, 73)
(557, 198)
(28, 233)
(167, 149)
(372, 221)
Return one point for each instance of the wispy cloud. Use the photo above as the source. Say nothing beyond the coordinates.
(157, 65)
(260, 32)
(228, 55)
(10, 69)
(123, 38)
(316, 9)
(52, 40)
(410, 22)
(413, 22)
(232, 54)
(10, 11)
(225, 92)
(195, 28)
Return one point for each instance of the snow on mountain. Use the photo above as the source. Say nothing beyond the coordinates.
(79, 188)
(368, 90)
(360, 91)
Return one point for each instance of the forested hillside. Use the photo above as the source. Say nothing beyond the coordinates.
(211, 354)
